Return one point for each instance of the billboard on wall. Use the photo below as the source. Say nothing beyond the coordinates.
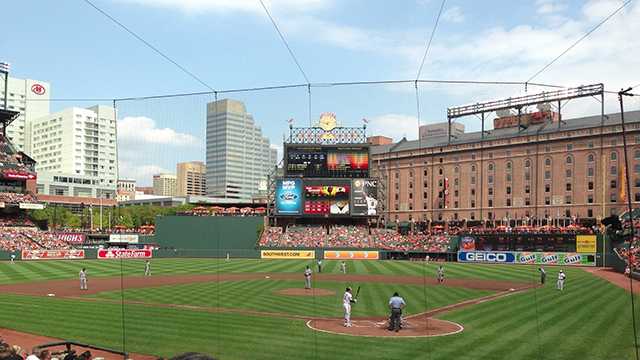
(586, 243)
(327, 197)
(287, 254)
(71, 238)
(124, 238)
(364, 197)
(468, 243)
(351, 255)
(104, 254)
(288, 196)
(52, 254)
(532, 258)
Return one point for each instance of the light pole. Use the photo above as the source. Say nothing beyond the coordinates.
(621, 93)
(4, 68)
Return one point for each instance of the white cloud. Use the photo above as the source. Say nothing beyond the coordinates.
(549, 7)
(453, 14)
(395, 126)
(227, 6)
(141, 130)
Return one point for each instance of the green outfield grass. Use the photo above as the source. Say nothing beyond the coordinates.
(590, 320)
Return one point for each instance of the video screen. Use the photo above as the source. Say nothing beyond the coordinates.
(364, 197)
(288, 196)
(326, 198)
(335, 162)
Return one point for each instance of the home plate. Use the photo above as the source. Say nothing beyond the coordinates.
(51, 294)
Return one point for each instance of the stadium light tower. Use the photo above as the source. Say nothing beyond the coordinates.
(4, 68)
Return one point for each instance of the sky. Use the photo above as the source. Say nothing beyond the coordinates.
(231, 44)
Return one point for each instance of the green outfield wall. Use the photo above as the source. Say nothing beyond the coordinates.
(206, 236)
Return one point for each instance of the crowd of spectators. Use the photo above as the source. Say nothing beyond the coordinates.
(10, 159)
(353, 236)
(16, 239)
(15, 220)
(16, 198)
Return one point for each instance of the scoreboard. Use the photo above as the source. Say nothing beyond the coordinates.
(327, 161)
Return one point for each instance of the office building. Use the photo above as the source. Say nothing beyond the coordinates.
(31, 99)
(549, 170)
(126, 190)
(76, 152)
(239, 157)
(191, 179)
(164, 184)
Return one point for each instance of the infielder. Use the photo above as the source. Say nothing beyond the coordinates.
(396, 304)
(440, 274)
(543, 275)
(13, 258)
(343, 267)
(147, 268)
(307, 278)
(561, 277)
(347, 300)
(83, 279)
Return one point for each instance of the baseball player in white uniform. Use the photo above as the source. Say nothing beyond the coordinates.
(343, 267)
(561, 277)
(307, 278)
(440, 274)
(147, 268)
(347, 300)
(83, 279)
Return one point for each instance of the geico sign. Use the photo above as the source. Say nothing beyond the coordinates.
(487, 257)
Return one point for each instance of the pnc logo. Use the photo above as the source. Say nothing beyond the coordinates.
(38, 89)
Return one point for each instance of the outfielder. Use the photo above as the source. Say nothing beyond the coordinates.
(307, 278)
(347, 300)
(343, 267)
(543, 275)
(561, 277)
(83, 279)
(147, 268)
(319, 265)
(440, 274)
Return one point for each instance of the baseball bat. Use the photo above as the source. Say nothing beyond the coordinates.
(357, 292)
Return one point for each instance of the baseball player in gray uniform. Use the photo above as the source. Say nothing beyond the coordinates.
(307, 278)
(147, 268)
(83, 279)
(561, 277)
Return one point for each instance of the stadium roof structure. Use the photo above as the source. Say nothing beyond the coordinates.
(6, 118)
(507, 133)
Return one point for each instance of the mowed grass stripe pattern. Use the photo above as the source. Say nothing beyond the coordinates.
(260, 295)
(25, 271)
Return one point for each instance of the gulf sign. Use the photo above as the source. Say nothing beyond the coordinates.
(498, 257)
(351, 255)
(105, 254)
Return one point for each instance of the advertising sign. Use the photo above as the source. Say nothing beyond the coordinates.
(124, 254)
(52, 254)
(326, 197)
(287, 254)
(468, 243)
(288, 196)
(364, 197)
(351, 255)
(586, 243)
(16, 174)
(502, 257)
(71, 238)
(532, 258)
(124, 238)
(31, 206)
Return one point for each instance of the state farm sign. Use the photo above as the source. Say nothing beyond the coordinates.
(124, 254)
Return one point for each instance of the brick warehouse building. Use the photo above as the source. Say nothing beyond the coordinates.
(550, 169)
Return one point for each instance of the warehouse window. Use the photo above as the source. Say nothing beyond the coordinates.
(490, 203)
(490, 167)
(569, 159)
(547, 188)
(590, 158)
(636, 154)
(508, 202)
(590, 185)
(590, 171)
(590, 198)
(614, 156)
(614, 184)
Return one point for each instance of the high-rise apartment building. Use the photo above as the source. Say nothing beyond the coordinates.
(164, 184)
(191, 179)
(239, 157)
(31, 99)
(76, 152)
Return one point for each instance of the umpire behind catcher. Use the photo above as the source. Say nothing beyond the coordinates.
(396, 304)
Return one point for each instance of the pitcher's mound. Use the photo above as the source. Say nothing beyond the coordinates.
(376, 327)
(305, 292)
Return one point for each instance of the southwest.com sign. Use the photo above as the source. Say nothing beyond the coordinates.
(487, 257)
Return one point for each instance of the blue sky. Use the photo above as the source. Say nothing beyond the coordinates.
(231, 44)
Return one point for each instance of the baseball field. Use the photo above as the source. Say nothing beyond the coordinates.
(257, 309)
